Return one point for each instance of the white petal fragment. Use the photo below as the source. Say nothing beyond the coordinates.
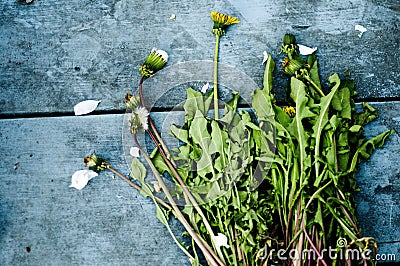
(361, 29)
(305, 50)
(205, 88)
(265, 57)
(143, 115)
(134, 151)
(85, 107)
(156, 186)
(80, 178)
(221, 240)
(162, 53)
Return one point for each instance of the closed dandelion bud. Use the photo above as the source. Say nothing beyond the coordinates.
(155, 61)
(95, 163)
(289, 39)
(221, 22)
(131, 101)
(290, 66)
(289, 45)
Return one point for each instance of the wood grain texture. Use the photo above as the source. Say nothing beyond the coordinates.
(109, 223)
(55, 54)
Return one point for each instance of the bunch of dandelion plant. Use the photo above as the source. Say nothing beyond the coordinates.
(260, 178)
(319, 144)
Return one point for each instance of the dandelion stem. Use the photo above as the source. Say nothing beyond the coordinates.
(160, 201)
(188, 194)
(207, 252)
(164, 151)
(157, 201)
(151, 122)
(313, 246)
(320, 92)
(216, 77)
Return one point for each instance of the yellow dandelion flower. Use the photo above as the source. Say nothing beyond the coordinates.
(221, 21)
(290, 110)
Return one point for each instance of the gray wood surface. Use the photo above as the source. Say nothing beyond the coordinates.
(55, 54)
(109, 223)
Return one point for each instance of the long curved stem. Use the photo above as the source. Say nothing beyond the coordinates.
(158, 200)
(313, 246)
(207, 253)
(320, 92)
(317, 192)
(151, 122)
(189, 196)
(164, 151)
(347, 214)
(216, 115)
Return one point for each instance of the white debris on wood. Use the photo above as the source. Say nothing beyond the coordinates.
(361, 29)
(221, 240)
(305, 50)
(80, 178)
(265, 57)
(205, 88)
(134, 152)
(85, 107)
(156, 186)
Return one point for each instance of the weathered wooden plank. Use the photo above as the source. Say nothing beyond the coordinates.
(54, 54)
(109, 223)
(379, 181)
